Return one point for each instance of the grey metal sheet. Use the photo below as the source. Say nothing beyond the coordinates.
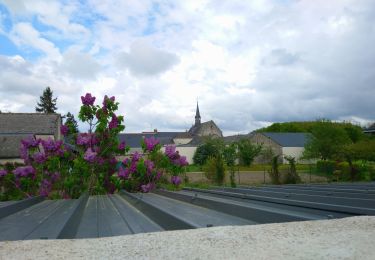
(135, 219)
(21, 224)
(333, 199)
(196, 216)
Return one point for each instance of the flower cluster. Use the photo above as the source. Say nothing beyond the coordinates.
(25, 171)
(150, 143)
(88, 100)
(174, 156)
(64, 130)
(3, 173)
(176, 180)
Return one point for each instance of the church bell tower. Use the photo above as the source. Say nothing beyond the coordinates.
(197, 116)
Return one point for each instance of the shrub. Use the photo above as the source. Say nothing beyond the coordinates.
(214, 170)
(54, 169)
(291, 177)
(274, 172)
(325, 166)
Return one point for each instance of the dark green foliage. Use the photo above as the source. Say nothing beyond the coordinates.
(47, 103)
(214, 169)
(354, 132)
(247, 151)
(71, 123)
(212, 147)
(230, 156)
(325, 166)
(326, 141)
(274, 172)
(292, 176)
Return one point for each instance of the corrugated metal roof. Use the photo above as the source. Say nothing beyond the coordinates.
(131, 213)
(288, 139)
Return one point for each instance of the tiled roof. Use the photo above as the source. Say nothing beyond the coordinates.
(29, 123)
(289, 139)
(10, 145)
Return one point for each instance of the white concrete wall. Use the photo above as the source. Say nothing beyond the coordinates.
(187, 151)
(11, 160)
(295, 152)
(179, 141)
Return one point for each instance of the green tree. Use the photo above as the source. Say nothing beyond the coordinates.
(274, 172)
(47, 103)
(247, 151)
(326, 141)
(211, 147)
(71, 123)
(214, 169)
(230, 156)
(292, 176)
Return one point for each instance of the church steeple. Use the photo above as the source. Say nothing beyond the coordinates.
(197, 116)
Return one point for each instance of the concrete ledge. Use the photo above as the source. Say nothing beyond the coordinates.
(349, 238)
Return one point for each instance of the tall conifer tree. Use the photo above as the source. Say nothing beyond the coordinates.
(47, 103)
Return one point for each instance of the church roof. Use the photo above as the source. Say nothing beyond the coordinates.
(195, 129)
(197, 114)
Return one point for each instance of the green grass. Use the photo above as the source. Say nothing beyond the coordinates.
(254, 167)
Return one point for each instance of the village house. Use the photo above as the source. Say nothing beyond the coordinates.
(17, 126)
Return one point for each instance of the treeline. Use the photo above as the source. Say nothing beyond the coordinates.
(354, 132)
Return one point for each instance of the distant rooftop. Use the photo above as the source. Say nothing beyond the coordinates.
(28, 123)
(289, 139)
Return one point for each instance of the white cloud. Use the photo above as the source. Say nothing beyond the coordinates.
(249, 63)
(79, 65)
(145, 60)
(25, 34)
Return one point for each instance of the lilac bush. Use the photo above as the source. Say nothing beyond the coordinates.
(57, 170)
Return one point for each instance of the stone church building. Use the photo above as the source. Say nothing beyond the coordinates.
(186, 142)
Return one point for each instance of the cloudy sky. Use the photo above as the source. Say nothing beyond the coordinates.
(249, 63)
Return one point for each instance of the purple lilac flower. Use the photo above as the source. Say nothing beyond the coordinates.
(150, 166)
(170, 150)
(88, 100)
(151, 143)
(55, 177)
(121, 146)
(24, 154)
(39, 157)
(24, 171)
(30, 142)
(3, 173)
(182, 161)
(86, 139)
(64, 129)
(124, 173)
(135, 157)
(147, 187)
(89, 155)
(106, 99)
(176, 180)
(158, 175)
(45, 188)
(114, 122)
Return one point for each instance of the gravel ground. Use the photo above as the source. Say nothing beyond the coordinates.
(349, 238)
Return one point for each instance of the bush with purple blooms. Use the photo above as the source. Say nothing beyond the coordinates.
(58, 170)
